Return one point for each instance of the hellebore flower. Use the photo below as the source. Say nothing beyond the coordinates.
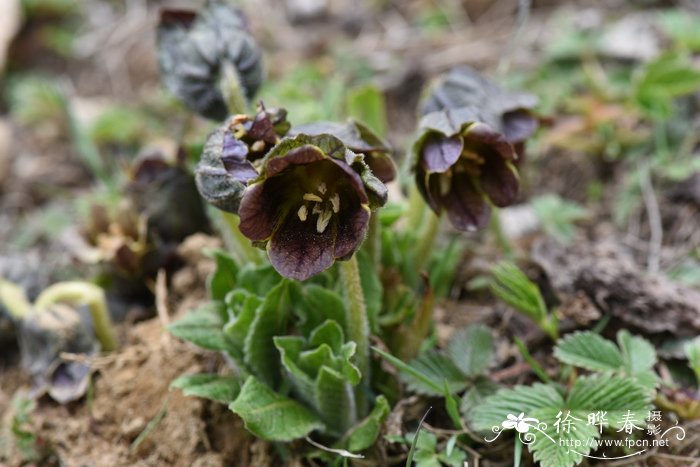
(197, 50)
(507, 112)
(359, 139)
(310, 205)
(233, 152)
(462, 164)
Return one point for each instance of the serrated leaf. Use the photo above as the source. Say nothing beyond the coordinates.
(559, 451)
(515, 400)
(270, 415)
(613, 394)
(589, 350)
(638, 354)
(203, 327)
(437, 368)
(478, 391)
(223, 279)
(364, 434)
(471, 349)
(222, 389)
(271, 317)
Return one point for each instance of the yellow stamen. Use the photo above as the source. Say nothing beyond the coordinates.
(322, 188)
(302, 213)
(312, 197)
(335, 201)
(323, 219)
(257, 146)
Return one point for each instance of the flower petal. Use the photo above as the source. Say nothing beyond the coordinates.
(464, 204)
(298, 251)
(305, 154)
(519, 125)
(382, 165)
(259, 210)
(499, 181)
(352, 228)
(483, 134)
(439, 152)
(234, 159)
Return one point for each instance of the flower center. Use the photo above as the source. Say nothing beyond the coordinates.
(321, 203)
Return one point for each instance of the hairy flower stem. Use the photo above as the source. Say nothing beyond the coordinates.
(79, 293)
(358, 324)
(13, 298)
(373, 242)
(426, 242)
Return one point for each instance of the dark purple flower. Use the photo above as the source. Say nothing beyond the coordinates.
(508, 112)
(359, 139)
(233, 152)
(463, 165)
(195, 50)
(310, 205)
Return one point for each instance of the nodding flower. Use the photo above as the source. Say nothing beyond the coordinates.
(195, 50)
(463, 165)
(310, 205)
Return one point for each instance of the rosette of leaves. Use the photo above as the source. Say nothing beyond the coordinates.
(310, 205)
(359, 139)
(285, 385)
(511, 112)
(233, 153)
(463, 165)
(202, 54)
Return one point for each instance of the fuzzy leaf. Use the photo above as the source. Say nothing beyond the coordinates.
(335, 401)
(318, 304)
(271, 317)
(242, 307)
(203, 327)
(365, 433)
(258, 279)
(222, 389)
(272, 416)
(437, 368)
(471, 349)
(223, 279)
(590, 351)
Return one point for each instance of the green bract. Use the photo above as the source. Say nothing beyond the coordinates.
(197, 50)
(233, 153)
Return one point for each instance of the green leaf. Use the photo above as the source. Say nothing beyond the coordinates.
(270, 320)
(203, 327)
(335, 401)
(554, 451)
(258, 279)
(558, 216)
(475, 395)
(639, 358)
(437, 368)
(415, 374)
(613, 394)
(471, 349)
(271, 416)
(318, 304)
(364, 434)
(512, 286)
(243, 307)
(222, 389)
(515, 400)
(366, 104)
(692, 351)
(223, 279)
(589, 350)
(452, 407)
